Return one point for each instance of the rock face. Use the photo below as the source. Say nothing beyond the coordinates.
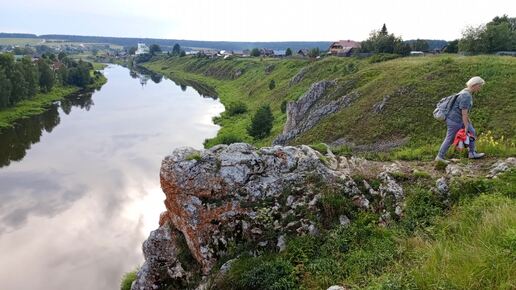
(227, 195)
(310, 108)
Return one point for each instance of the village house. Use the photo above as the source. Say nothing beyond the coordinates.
(266, 52)
(303, 52)
(344, 47)
(142, 48)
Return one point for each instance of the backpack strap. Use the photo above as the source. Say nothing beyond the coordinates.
(453, 101)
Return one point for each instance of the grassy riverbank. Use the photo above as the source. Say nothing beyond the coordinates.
(409, 86)
(41, 101)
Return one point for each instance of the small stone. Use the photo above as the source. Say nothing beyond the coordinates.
(337, 287)
(282, 245)
(290, 200)
(442, 186)
(344, 220)
(256, 231)
(313, 230)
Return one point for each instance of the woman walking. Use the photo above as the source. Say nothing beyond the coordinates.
(458, 118)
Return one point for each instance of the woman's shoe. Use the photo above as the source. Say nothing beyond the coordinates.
(439, 159)
(476, 155)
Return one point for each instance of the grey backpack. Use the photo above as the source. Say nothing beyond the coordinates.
(444, 106)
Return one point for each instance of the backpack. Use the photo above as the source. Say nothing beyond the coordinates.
(444, 106)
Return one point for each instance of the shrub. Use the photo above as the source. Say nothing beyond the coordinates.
(127, 280)
(261, 123)
(272, 85)
(228, 139)
(284, 106)
(380, 57)
(237, 108)
(262, 273)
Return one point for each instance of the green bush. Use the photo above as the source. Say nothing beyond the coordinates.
(237, 108)
(262, 273)
(272, 85)
(127, 280)
(261, 123)
(283, 106)
(380, 57)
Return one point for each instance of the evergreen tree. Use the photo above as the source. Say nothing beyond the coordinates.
(176, 50)
(288, 52)
(384, 31)
(261, 123)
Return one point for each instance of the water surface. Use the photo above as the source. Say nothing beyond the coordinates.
(79, 184)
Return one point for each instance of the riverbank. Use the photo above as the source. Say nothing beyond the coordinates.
(366, 107)
(41, 101)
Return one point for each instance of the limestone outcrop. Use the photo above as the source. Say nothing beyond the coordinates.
(306, 112)
(231, 195)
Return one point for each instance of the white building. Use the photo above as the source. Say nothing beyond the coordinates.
(142, 48)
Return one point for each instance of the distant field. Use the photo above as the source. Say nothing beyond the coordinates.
(48, 42)
(20, 41)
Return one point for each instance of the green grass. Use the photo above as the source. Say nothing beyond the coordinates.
(127, 280)
(465, 242)
(34, 106)
(413, 90)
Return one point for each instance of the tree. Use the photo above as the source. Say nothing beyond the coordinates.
(384, 31)
(255, 52)
(314, 52)
(132, 50)
(19, 89)
(452, 47)
(288, 52)
(420, 45)
(61, 55)
(5, 89)
(30, 75)
(261, 123)
(154, 49)
(176, 50)
(183, 53)
(380, 41)
(46, 76)
(497, 35)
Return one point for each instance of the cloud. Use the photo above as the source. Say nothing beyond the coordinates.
(266, 20)
(33, 194)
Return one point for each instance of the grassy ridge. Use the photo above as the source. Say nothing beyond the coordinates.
(412, 87)
(40, 102)
(469, 245)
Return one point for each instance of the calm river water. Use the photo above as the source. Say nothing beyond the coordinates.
(79, 184)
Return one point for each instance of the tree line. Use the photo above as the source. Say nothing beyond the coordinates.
(22, 79)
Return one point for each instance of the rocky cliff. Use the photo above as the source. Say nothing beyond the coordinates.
(304, 113)
(239, 197)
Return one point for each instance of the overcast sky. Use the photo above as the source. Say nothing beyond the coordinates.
(258, 20)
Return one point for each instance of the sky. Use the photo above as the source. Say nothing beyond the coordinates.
(242, 20)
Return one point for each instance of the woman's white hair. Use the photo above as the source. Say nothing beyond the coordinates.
(475, 81)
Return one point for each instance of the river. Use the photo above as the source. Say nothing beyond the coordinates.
(79, 184)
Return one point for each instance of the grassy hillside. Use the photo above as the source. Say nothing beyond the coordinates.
(411, 86)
